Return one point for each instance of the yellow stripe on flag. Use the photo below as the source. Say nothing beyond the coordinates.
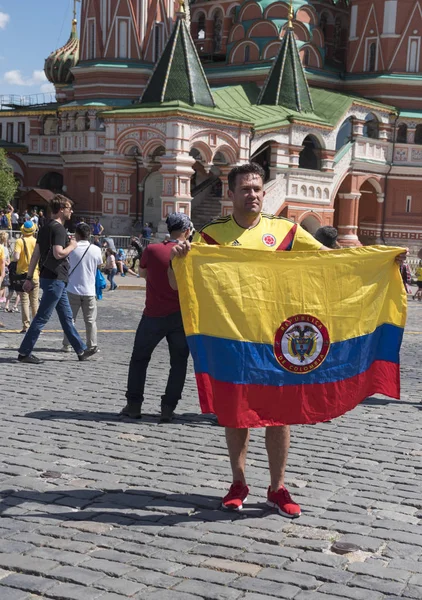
(244, 295)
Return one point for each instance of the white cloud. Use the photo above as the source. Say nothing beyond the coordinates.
(15, 77)
(47, 88)
(4, 19)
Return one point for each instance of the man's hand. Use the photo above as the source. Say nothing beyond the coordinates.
(180, 249)
(401, 258)
(73, 244)
(28, 286)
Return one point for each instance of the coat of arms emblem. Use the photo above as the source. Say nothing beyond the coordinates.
(301, 343)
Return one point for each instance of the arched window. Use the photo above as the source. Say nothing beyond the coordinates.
(305, 59)
(247, 54)
(345, 133)
(201, 27)
(402, 133)
(372, 57)
(309, 157)
(418, 134)
(371, 127)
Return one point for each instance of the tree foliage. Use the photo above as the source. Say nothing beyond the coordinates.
(8, 183)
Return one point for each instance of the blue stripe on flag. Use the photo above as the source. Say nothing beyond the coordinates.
(252, 363)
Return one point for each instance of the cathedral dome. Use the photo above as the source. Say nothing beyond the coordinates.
(58, 65)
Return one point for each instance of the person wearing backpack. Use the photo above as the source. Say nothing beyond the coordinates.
(23, 251)
(84, 262)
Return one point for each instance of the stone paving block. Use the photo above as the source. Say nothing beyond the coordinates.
(8, 593)
(379, 570)
(155, 578)
(29, 583)
(61, 556)
(271, 588)
(353, 593)
(302, 580)
(70, 591)
(320, 572)
(380, 585)
(241, 568)
(74, 574)
(207, 575)
(120, 585)
(210, 591)
(35, 566)
(304, 595)
(169, 595)
(107, 566)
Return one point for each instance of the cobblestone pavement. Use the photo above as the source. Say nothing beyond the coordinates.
(96, 507)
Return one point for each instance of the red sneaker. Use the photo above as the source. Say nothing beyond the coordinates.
(238, 494)
(282, 501)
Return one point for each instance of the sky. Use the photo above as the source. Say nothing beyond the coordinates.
(29, 31)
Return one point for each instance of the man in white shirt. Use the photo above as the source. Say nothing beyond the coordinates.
(84, 261)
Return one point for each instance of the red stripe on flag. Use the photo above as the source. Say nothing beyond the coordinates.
(287, 243)
(248, 405)
(211, 241)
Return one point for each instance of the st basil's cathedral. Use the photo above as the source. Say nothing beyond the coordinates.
(156, 100)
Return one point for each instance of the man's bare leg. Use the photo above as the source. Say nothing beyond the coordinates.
(237, 445)
(277, 442)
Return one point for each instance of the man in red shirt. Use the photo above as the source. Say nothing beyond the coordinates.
(161, 319)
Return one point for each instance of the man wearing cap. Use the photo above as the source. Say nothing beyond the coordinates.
(23, 251)
(161, 319)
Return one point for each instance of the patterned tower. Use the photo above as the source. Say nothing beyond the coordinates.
(120, 41)
(384, 51)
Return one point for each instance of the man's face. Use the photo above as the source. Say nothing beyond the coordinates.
(248, 194)
(67, 212)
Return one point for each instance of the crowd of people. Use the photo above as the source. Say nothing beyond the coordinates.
(16, 254)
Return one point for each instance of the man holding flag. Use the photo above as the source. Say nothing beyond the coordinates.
(325, 357)
(248, 227)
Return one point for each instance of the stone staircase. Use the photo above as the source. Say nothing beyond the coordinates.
(205, 204)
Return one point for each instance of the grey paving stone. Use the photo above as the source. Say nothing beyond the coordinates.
(70, 591)
(207, 574)
(28, 583)
(354, 593)
(8, 593)
(208, 590)
(380, 585)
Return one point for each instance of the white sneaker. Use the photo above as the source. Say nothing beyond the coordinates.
(65, 348)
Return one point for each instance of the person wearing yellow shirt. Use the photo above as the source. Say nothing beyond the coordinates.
(24, 249)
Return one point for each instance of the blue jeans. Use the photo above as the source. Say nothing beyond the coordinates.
(54, 297)
(110, 277)
(150, 332)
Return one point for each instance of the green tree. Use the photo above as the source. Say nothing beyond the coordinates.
(8, 183)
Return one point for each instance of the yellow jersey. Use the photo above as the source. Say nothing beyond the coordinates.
(23, 262)
(271, 233)
(418, 274)
(1, 253)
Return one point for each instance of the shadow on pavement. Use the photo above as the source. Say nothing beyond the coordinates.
(51, 415)
(115, 506)
(385, 401)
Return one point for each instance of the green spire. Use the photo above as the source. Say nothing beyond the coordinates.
(178, 74)
(286, 83)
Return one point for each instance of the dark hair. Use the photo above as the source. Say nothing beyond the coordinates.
(59, 201)
(327, 236)
(250, 167)
(83, 230)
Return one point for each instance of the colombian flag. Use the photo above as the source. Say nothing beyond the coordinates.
(291, 337)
